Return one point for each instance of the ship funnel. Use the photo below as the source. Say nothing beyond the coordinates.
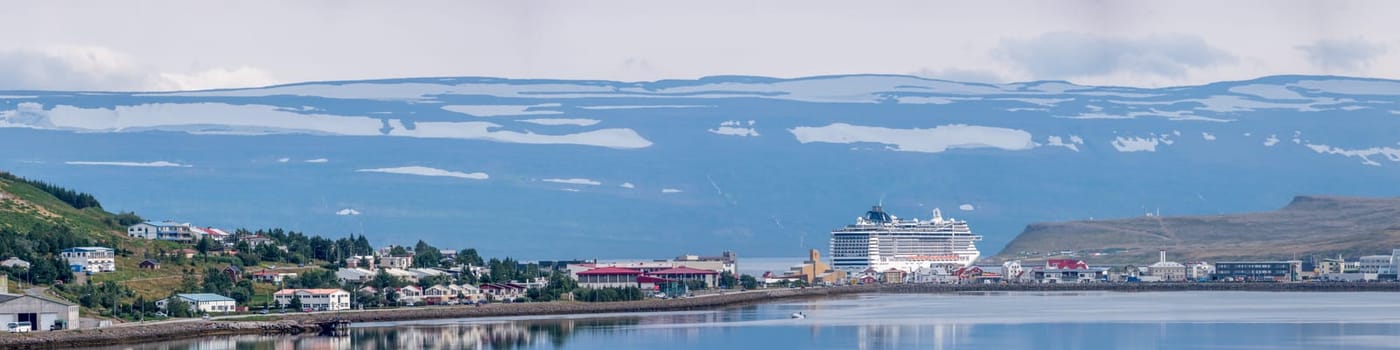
(937, 215)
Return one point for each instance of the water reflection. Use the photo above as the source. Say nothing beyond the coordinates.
(1029, 320)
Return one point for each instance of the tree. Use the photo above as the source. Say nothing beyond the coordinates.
(217, 282)
(188, 282)
(748, 282)
(205, 245)
(469, 257)
(695, 284)
(177, 307)
(295, 304)
(727, 280)
(426, 255)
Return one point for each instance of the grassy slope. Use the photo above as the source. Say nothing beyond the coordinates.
(1310, 225)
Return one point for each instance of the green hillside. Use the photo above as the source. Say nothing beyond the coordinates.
(1308, 226)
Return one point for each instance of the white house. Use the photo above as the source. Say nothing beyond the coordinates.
(90, 259)
(410, 295)
(14, 262)
(203, 302)
(316, 299)
(353, 275)
(163, 230)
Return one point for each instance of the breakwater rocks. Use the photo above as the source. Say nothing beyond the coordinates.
(140, 333)
(1143, 287)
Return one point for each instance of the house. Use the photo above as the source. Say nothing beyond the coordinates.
(503, 291)
(1012, 271)
(1068, 271)
(936, 273)
(421, 273)
(467, 292)
(43, 313)
(410, 295)
(439, 295)
(353, 275)
(366, 262)
(401, 274)
(90, 259)
(254, 241)
(186, 252)
(892, 275)
(203, 302)
(234, 272)
(15, 263)
(218, 235)
(267, 276)
(163, 230)
(149, 264)
(315, 299)
(396, 262)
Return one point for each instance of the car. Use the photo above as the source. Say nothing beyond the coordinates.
(205, 317)
(263, 312)
(306, 309)
(19, 327)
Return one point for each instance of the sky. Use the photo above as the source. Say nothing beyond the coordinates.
(183, 45)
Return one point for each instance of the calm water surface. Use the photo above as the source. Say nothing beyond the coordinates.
(1098, 320)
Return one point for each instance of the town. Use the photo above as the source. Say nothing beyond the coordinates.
(276, 271)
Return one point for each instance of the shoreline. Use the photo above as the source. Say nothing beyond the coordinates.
(309, 323)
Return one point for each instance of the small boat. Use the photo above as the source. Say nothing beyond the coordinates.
(799, 315)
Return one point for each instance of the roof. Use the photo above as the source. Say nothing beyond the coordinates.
(162, 223)
(204, 297)
(5, 298)
(87, 249)
(683, 271)
(610, 271)
(310, 291)
(153, 261)
(652, 279)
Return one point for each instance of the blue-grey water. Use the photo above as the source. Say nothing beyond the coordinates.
(1094, 320)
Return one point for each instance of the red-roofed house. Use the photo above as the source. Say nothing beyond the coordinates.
(605, 277)
(685, 273)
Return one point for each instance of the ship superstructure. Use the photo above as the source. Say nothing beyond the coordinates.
(882, 241)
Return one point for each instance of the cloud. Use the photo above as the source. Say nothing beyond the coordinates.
(348, 212)
(1065, 55)
(318, 160)
(1271, 141)
(627, 185)
(1056, 141)
(966, 207)
(426, 171)
(155, 164)
(735, 128)
(1135, 144)
(63, 67)
(1207, 136)
(561, 121)
(283, 160)
(1342, 54)
(671, 190)
(574, 181)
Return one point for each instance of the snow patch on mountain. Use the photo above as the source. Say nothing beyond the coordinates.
(932, 140)
(155, 164)
(735, 128)
(1393, 154)
(1351, 87)
(621, 138)
(1272, 92)
(1072, 144)
(561, 121)
(575, 181)
(1135, 144)
(426, 171)
(502, 110)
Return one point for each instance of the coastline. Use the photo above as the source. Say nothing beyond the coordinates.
(302, 322)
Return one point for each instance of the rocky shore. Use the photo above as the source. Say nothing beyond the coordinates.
(299, 323)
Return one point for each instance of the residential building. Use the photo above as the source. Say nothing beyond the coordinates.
(149, 264)
(401, 262)
(162, 230)
(1012, 271)
(410, 295)
(1068, 271)
(203, 302)
(269, 276)
(1167, 271)
(90, 259)
(315, 299)
(364, 262)
(503, 291)
(43, 313)
(468, 292)
(14, 263)
(353, 275)
(1278, 271)
(1331, 265)
(892, 276)
(401, 274)
(234, 272)
(439, 295)
(254, 241)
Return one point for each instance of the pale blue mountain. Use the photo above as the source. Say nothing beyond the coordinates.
(762, 166)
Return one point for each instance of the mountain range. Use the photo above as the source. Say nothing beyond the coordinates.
(537, 168)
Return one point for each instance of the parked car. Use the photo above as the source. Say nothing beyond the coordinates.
(263, 312)
(306, 309)
(19, 327)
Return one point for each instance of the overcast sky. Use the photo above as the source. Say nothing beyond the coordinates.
(163, 45)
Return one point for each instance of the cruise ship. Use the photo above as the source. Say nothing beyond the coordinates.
(882, 241)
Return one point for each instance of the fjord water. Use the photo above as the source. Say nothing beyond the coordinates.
(1092, 320)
